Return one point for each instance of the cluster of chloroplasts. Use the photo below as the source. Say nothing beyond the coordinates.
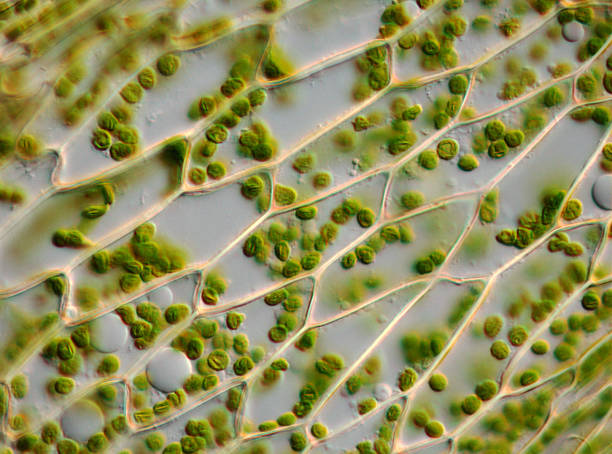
(199, 434)
(144, 376)
(73, 237)
(142, 260)
(255, 142)
(436, 44)
(113, 131)
(366, 253)
(531, 224)
(277, 246)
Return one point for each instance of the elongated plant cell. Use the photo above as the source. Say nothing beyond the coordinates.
(361, 226)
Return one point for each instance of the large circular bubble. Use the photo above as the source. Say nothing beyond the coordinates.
(168, 370)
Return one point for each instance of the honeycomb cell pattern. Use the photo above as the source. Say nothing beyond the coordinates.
(361, 226)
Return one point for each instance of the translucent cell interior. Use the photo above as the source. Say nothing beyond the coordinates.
(275, 226)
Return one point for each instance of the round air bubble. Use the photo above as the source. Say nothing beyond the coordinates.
(168, 370)
(573, 31)
(602, 192)
(162, 296)
(81, 420)
(108, 333)
(382, 392)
